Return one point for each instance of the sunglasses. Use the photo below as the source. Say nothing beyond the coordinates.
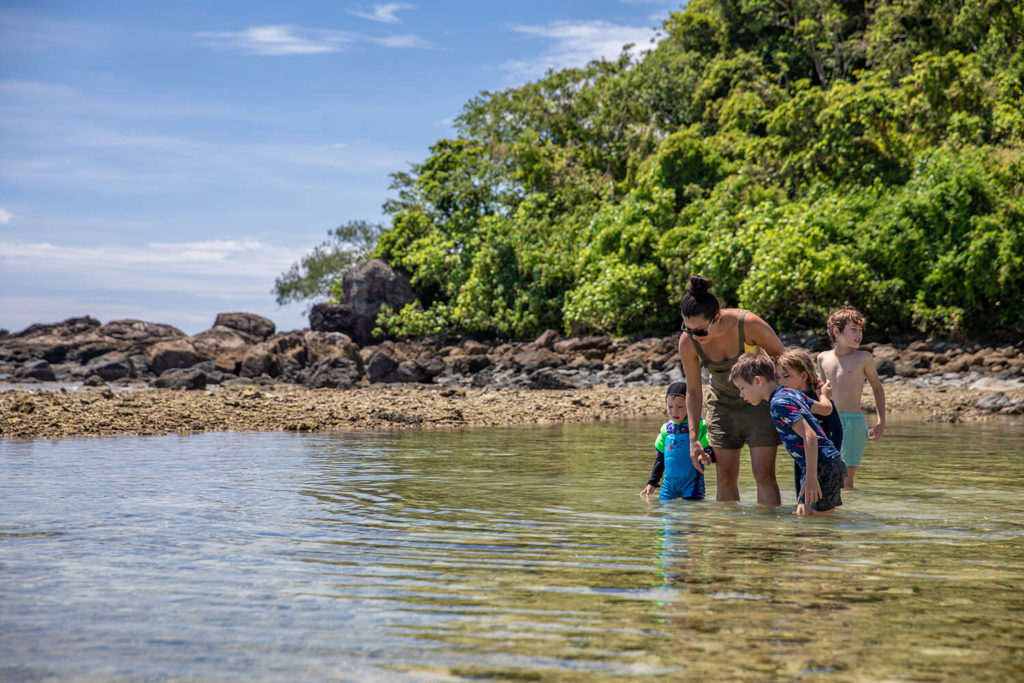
(695, 333)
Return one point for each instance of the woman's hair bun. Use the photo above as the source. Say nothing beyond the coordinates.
(699, 285)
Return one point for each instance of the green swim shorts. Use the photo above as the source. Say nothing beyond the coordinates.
(855, 437)
(731, 426)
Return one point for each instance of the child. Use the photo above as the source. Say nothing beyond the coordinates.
(682, 480)
(801, 434)
(846, 368)
(796, 371)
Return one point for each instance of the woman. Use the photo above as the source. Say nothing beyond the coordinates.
(714, 338)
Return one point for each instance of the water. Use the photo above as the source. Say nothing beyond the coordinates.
(507, 554)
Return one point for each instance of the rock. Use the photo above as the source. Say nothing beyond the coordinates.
(323, 345)
(191, 379)
(254, 327)
(383, 363)
(139, 331)
(224, 345)
(471, 347)
(72, 327)
(885, 367)
(995, 402)
(39, 370)
(547, 339)
(577, 344)
(550, 379)
(282, 353)
(365, 288)
(111, 366)
(470, 365)
(94, 381)
(177, 353)
(336, 372)
(532, 359)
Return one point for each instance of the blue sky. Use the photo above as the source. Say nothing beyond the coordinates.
(166, 161)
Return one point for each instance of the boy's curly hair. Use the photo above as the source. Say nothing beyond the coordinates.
(841, 317)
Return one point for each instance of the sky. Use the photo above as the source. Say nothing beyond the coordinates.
(166, 161)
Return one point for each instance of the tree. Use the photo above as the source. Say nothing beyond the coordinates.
(318, 271)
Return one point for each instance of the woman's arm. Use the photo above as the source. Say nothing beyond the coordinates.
(759, 332)
(694, 396)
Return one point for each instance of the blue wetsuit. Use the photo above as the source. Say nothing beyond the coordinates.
(789, 406)
(682, 480)
(833, 428)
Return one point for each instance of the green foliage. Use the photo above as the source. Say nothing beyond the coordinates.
(317, 274)
(804, 155)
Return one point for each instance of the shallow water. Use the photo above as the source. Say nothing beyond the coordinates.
(511, 553)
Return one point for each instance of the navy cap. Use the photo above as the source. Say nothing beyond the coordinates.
(676, 389)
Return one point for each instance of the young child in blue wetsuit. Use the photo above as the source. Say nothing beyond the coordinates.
(797, 371)
(682, 480)
(803, 437)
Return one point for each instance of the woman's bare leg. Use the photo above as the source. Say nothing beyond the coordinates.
(727, 467)
(762, 461)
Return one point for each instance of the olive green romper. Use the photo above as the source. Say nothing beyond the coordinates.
(732, 421)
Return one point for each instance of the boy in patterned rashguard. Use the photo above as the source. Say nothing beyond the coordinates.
(801, 434)
(682, 479)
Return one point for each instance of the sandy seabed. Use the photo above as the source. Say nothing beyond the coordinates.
(50, 414)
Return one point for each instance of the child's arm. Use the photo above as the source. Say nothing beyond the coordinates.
(871, 374)
(821, 406)
(652, 483)
(811, 490)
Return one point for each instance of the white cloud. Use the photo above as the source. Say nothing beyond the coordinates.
(385, 13)
(282, 39)
(5, 216)
(278, 39)
(574, 44)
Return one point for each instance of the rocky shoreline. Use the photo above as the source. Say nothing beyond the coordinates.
(80, 377)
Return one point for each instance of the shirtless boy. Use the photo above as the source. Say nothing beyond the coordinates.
(846, 368)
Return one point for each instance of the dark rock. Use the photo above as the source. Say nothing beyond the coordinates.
(995, 402)
(111, 366)
(550, 379)
(532, 359)
(94, 381)
(365, 288)
(224, 345)
(192, 379)
(38, 369)
(72, 327)
(281, 354)
(577, 344)
(470, 365)
(139, 331)
(167, 355)
(885, 367)
(255, 327)
(336, 373)
(382, 365)
(547, 339)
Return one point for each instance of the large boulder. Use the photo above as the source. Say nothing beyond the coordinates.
(139, 332)
(51, 342)
(337, 372)
(111, 366)
(255, 327)
(167, 355)
(38, 369)
(365, 288)
(225, 346)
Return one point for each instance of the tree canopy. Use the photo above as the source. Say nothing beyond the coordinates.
(804, 154)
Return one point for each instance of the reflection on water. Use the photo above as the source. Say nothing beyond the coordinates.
(512, 553)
